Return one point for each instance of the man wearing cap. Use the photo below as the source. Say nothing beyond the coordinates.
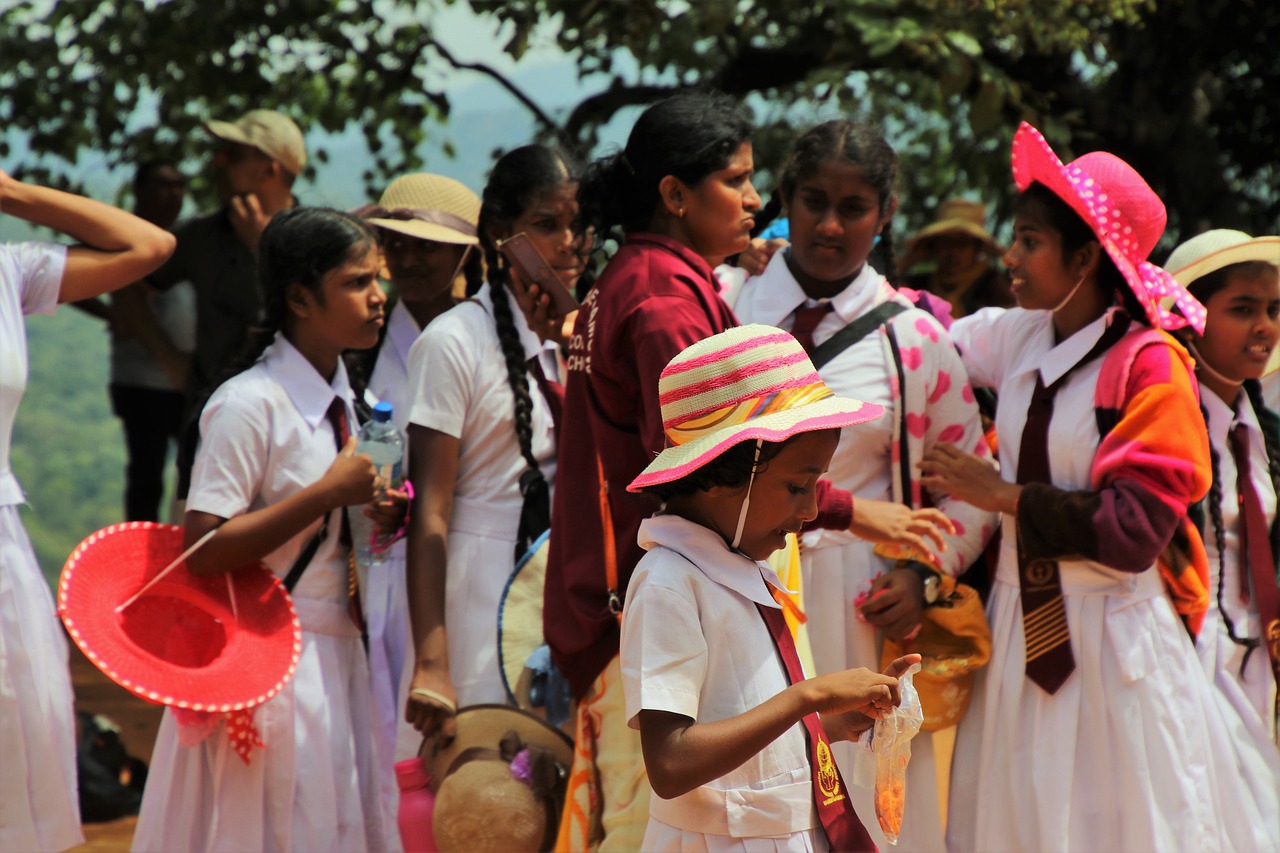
(960, 247)
(256, 161)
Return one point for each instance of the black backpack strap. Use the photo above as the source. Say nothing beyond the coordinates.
(304, 559)
(854, 332)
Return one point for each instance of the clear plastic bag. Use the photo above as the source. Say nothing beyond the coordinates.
(891, 743)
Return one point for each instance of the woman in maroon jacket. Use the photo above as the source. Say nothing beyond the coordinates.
(680, 193)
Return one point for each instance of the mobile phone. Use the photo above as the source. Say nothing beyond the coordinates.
(524, 256)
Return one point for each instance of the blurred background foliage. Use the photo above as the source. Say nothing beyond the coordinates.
(1183, 89)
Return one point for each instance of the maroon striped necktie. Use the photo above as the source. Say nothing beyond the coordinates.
(807, 319)
(1255, 550)
(1046, 635)
(839, 821)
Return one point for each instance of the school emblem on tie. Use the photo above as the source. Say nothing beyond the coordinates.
(828, 778)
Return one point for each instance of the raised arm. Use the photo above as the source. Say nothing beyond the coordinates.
(117, 247)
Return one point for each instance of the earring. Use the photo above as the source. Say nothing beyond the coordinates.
(680, 213)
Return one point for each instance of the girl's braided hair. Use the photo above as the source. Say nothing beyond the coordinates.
(519, 179)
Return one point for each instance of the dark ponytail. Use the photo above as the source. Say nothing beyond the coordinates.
(518, 180)
(689, 136)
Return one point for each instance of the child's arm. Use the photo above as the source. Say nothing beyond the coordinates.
(251, 536)
(681, 754)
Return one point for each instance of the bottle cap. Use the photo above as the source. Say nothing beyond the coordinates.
(412, 773)
(382, 412)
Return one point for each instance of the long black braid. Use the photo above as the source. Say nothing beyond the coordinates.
(1253, 390)
(519, 179)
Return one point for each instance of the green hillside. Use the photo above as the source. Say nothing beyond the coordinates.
(68, 451)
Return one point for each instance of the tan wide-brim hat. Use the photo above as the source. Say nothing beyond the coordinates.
(429, 207)
(1221, 247)
(483, 808)
(272, 133)
(957, 216)
(484, 726)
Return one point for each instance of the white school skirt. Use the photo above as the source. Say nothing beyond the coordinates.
(832, 577)
(482, 541)
(39, 803)
(1129, 754)
(316, 785)
(1245, 706)
(391, 660)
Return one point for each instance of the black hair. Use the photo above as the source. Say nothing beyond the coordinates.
(300, 245)
(856, 144)
(147, 168)
(1074, 234)
(518, 179)
(1253, 389)
(689, 136)
(731, 469)
(1205, 287)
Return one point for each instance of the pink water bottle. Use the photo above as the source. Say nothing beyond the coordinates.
(416, 804)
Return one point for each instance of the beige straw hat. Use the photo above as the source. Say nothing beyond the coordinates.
(751, 382)
(959, 216)
(429, 207)
(272, 133)
(1221, 247)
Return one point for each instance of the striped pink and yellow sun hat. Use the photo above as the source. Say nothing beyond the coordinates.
(751, 382)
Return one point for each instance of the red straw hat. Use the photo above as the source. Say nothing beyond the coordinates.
(217, 644)
(748, 383)
(1122, 210)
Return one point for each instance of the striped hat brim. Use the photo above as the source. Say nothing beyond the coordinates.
(829, 413)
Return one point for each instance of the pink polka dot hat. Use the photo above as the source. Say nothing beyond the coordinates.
(218, 644)
(1123, 211)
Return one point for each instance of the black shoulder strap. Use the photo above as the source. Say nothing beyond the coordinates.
(304, 559)
(854, 332)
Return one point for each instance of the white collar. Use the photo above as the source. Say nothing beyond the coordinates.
(706, 550)
(1061, 358)
(403, 330)
(777, 294)
(307, 389)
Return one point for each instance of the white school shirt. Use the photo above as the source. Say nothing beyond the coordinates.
(694, 644)
(860, 463)
(458, 378)
(389, 381)
(263, 436)
(30, 283)
(1221, 419)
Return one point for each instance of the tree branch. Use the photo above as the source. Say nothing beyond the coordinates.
(538, 113)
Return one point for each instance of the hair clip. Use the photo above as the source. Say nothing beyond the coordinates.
(626, 164)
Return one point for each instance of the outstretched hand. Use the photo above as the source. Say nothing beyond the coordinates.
(967, 477)
(893, 523)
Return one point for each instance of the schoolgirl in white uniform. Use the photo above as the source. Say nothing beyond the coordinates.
(426, 227)
(838, 187)
(482, 443)
(1093, 727)
(1235, 277)
(270, 479)
(734, 747)
(39, 809)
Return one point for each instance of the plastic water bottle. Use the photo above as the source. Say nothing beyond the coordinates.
(384, 444)
(416, 805)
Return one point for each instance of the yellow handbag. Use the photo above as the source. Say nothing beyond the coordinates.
(955, 642)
